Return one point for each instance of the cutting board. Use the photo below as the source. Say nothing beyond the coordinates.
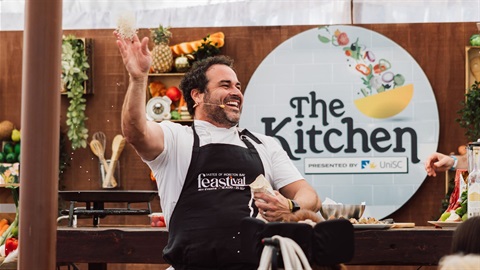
(403, 225)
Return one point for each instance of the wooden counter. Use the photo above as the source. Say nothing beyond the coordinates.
(101, 245)
(409, 246)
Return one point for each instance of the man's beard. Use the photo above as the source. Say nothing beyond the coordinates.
(219, 115)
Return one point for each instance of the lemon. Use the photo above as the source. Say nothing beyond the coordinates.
(16, 135)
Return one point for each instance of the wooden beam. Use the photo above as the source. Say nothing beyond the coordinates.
(41, 69)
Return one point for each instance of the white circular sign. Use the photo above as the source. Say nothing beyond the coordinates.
(354, 111)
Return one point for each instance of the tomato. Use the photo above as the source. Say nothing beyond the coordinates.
(343, 39)
(157, 220)
(173, 93)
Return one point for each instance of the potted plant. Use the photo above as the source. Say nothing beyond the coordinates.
(74, 74)
(469, 115)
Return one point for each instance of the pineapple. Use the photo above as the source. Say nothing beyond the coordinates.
(162, 54)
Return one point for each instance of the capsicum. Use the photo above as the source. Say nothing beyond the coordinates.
(11, 244)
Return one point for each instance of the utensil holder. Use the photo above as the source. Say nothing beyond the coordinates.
(103, 174)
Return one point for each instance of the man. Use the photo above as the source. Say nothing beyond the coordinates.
(203, 172)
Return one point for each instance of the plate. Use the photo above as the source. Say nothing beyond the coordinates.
(445, 223)
(372, 226)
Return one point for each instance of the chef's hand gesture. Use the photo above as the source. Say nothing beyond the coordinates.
(272, 208)
(438, 162)
(135, 54)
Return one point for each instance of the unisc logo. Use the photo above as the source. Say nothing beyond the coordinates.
(366, 163)
(385, 164)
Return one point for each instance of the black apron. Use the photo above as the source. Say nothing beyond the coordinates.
(204, 230)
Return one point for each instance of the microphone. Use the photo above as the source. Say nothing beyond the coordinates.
(213, 104)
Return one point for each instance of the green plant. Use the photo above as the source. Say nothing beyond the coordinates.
(470, 113)
(74, 67)
(207, 49)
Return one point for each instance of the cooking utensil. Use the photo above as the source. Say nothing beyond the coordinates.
(101, 137)
(99, 151)
(403, 225)
(117, 147)
(347, 211)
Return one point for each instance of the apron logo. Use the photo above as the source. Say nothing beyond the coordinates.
(219, 181)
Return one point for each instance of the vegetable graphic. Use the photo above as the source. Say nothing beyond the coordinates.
(384, 93)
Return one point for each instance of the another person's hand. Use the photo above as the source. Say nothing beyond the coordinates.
(272, 208)
(135, 55)
(438, 162)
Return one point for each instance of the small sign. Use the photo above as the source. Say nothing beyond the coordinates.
(352, 109)
(356, 165)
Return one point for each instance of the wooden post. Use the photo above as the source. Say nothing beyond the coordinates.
(40, 127)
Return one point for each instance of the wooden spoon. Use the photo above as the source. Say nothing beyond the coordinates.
(117, 147)
(99, 151)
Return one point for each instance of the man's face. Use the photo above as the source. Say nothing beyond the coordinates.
(223, 99)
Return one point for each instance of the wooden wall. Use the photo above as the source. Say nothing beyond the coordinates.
(439, 48)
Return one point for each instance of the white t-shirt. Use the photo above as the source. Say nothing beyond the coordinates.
(171, 166)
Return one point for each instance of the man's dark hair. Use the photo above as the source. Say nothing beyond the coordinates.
(196, 77)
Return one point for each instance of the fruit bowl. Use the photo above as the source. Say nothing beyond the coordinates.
(334, 211)
(157, 220)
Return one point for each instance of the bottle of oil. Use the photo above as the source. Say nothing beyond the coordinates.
(473, 182)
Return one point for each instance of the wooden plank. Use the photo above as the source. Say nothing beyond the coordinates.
(418, 246)
(113, 245)
(412, 246)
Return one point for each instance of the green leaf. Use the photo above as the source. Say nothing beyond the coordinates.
(323, 39)
(74, 65)
(469, 115)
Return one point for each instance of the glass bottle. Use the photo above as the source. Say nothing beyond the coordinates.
(473, 182)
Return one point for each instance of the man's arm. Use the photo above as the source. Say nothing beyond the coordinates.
(276, 208)
(438, 162)
(303, 194)
(145, 136)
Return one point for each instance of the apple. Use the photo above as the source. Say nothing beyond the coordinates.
(173, 93)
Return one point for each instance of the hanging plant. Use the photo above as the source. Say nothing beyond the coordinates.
(470, 113)
(74, 74)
